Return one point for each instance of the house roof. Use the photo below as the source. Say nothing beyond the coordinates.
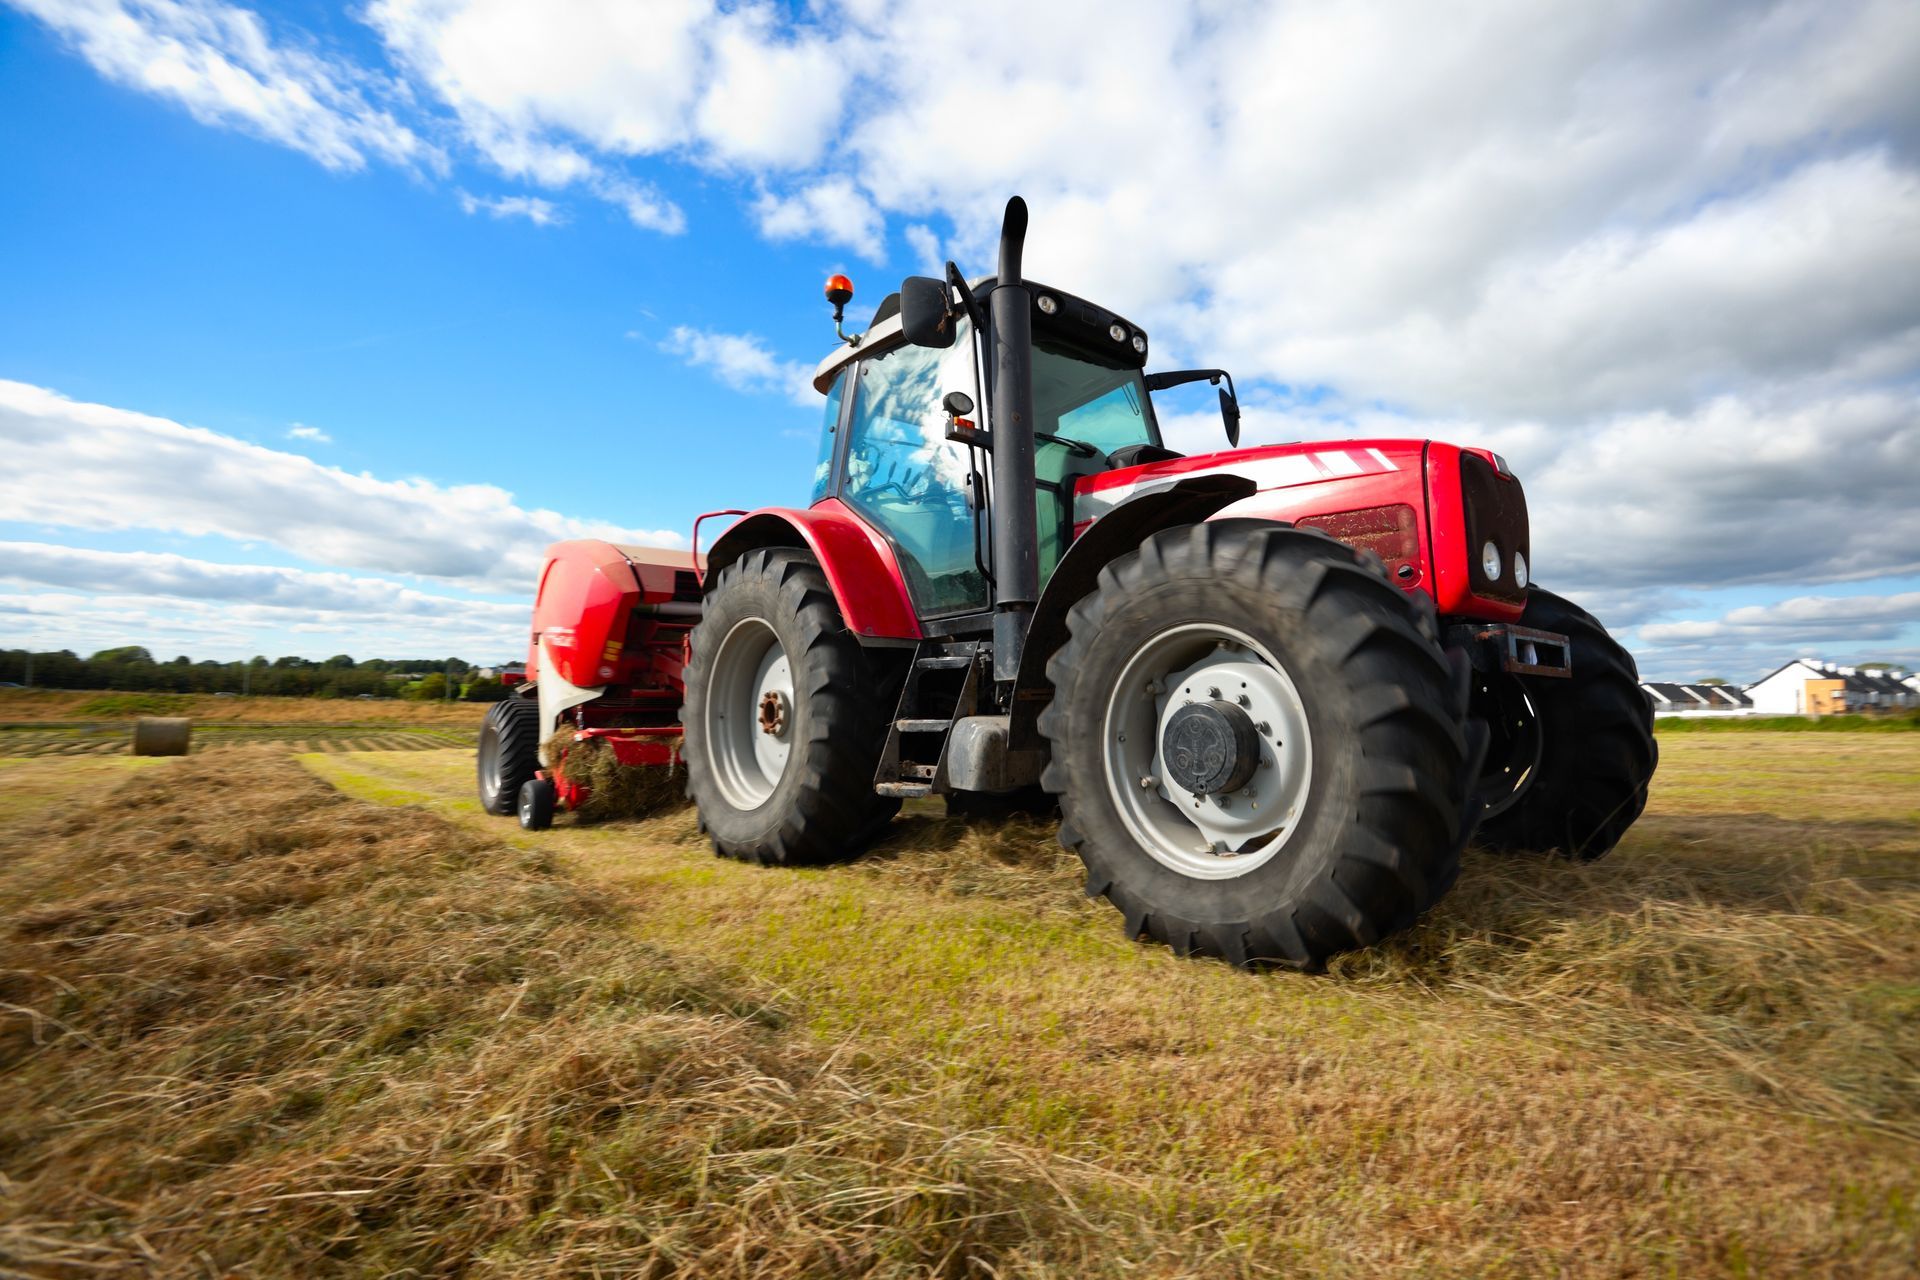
(1713, 697)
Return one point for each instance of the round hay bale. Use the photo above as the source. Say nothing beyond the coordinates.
(161, 735)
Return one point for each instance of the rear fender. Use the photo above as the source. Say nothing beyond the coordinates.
(1179, 500)
(860, 566)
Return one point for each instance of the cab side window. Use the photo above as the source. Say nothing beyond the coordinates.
(829, 437)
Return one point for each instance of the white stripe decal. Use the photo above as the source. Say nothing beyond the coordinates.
(1383, 459)
(1337, 461)
(1266, 473)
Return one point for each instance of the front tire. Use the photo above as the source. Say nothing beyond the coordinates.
(509, 753)
(1592, 749)
(1361, 755)
(784, 717)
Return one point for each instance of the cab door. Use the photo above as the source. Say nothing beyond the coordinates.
(911, 482)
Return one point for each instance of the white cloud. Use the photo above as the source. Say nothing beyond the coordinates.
(834, 211)
(925, 244)
(218, 61)
(768, 101)
(645, 207)
(91, 466)
(743, 362)
(541, 213)
(1747, 641)
(301, 431)
(162, 574)
(227, 630)
(1800, 620)
(1738, 490)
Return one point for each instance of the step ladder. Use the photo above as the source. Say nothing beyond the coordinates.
(941, 687)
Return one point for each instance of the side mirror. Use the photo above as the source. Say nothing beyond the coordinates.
(926, 315)
(1230, 414)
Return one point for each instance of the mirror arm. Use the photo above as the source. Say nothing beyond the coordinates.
(1180, 377)
(958, 283)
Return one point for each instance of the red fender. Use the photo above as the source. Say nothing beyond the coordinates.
(859, 564)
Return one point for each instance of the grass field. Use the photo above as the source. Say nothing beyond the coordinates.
(63, 723)
(79, 707)
(261, 1025)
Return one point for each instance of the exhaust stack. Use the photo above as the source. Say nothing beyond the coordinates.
(1016, 545)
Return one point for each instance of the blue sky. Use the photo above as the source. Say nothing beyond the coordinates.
(504, 273)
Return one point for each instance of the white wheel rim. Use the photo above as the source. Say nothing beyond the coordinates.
(1207, 838)
(748, 760)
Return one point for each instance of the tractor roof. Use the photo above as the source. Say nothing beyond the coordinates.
(886, 326)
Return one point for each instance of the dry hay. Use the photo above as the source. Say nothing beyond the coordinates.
(250, 1027)
(1017, 859)
(615, 790)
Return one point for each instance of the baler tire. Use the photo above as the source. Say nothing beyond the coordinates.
(537, 800)
(1384, 812)
(823, 807)
(1597, 749)
(508, 755)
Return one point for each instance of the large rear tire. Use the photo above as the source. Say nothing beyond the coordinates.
(1589, 738)
(509, 753)
(784, 717)
(1361, 758)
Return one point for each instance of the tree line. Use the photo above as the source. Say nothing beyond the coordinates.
(134, 668)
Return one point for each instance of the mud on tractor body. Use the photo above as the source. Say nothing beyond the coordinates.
(1273, 690)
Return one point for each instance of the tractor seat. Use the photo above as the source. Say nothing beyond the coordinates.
(1134, 455)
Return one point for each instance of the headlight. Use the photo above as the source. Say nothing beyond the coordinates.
(1139, 344)
(1490, 561)
(1047, 305)
(1519, 569)
(1118, 332)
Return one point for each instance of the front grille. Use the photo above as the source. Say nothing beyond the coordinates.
(1496, 510)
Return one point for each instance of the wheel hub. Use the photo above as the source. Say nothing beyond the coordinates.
(1209, 757)
(773, 713)
(1211, 748)
(749, 713)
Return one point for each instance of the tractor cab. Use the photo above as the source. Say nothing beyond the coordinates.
(905, 443)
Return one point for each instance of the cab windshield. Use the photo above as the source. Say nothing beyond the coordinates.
(1078, 396)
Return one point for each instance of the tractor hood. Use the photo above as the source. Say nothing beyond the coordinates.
(1270, 467)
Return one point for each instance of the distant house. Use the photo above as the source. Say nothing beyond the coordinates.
(1696, 699)
(1809, 687)
(509, 672)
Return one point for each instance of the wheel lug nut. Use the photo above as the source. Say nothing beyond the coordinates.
(1148, 782)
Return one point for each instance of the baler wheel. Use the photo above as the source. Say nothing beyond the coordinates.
(509, 753)
(1260, 749)
(537, 800)
(785, 717)
(1595, 752)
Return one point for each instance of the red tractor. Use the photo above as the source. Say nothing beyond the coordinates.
(1273, 690)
